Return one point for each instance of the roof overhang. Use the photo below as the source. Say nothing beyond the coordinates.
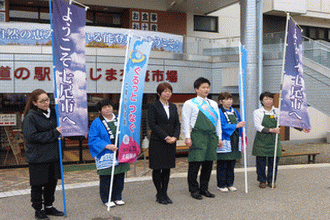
(201, 7)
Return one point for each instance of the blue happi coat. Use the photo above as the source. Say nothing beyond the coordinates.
(98, 138)
(227, 130)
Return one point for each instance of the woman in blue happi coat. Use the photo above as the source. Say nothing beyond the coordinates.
(101, 139)
(231, 125)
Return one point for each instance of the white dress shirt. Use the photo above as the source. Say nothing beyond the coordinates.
(258, 116)
(189, 116)
(167, 109)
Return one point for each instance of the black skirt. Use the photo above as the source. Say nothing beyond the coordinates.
(41, 173)
(161, 154)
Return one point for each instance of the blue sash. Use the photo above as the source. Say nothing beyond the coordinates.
(207, 110)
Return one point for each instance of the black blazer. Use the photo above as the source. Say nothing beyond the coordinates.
(160, 125)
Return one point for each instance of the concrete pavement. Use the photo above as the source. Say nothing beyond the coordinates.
(302, 192)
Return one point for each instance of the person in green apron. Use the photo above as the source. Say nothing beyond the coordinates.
(265, 122)
(101, 139)
(231, 126)
(202, 129)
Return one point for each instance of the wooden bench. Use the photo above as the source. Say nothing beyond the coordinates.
(311, 155)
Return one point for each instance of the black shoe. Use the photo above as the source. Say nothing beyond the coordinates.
(196, 195)
(161, 200)
(41, 215)
(207, 194)
(168, 200)
(53, 211)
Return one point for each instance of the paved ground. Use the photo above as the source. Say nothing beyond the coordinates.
(302, 192)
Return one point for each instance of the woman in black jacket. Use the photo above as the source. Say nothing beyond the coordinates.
(164, 123)
(42, 152)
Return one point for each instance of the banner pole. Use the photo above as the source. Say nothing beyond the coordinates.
(56, 106)
(243, 117)
(280, 96)
(118, 122)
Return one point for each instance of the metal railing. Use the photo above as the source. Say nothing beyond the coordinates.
(198, 45)
(316, 50)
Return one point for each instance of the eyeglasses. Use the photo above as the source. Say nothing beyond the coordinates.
(44, 101)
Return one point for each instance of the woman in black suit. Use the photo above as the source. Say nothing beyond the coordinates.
(164, 123)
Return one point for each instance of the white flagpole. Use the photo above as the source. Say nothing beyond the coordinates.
(118, 122)
(243, 119)
(280, 96)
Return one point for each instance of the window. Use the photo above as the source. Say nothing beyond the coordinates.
(205, 23)
(316, 33)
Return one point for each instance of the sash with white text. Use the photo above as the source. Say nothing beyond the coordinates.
(207, 110)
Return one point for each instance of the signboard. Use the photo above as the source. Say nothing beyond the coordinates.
(7, 119)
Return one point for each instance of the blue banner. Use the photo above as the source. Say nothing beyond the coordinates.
(242, 81)
(40, 34)
(70, 67)
(242, 91)
(138, 52)
(293, 112)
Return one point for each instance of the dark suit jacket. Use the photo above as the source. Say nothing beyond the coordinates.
(160, 125)
(162, 154)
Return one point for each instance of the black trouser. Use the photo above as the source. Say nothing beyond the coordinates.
(204, 176)
(261, 163)
(117, 187)
(225, 173)
(47, 191)
(161, 178)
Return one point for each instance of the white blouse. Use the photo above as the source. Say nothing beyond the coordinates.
(258, 116)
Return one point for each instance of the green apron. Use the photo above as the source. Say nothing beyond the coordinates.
(264, 143)
(235, 154)
(204, 140)
(121, 168)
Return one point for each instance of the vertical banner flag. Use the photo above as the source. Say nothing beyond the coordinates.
(242, 89)
(70, 67)
(293, 111)
(136, 63)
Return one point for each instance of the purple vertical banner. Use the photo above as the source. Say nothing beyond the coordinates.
(136, 63)
(70, 67)
(293, 112)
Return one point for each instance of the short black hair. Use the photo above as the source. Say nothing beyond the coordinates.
(265, 94)
(103, 103)
(198, 82)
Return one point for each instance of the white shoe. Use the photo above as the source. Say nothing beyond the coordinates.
(111, 204)
(232, 188)
(120, 202)
(223, 189)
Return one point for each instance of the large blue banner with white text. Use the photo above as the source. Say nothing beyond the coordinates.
(293, 112)
(70, 67)
(136, 63)
(40, 34)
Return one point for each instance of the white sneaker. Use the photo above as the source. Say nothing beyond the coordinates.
(232, 188)
(111, 204)
(223, 189)
(120, 202)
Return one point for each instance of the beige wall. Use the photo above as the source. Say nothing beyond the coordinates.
(229, 23)
(320, 125)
